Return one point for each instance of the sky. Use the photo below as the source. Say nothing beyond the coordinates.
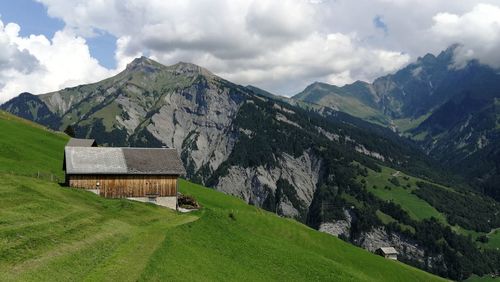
(280, 46)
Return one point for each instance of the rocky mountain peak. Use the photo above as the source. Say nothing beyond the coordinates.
(190, 69)
(316, 85)
(427, 59)
(143, 64)
(148, 66)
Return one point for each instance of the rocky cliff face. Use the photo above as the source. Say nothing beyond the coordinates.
(408, 249)
(256, 184)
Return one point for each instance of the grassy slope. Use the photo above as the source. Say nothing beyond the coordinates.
(417, 208)
(493, 239)
(53, 233)
(26, 148)
(407, 124)
(354, 107)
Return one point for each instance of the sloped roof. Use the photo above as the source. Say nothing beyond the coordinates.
(389, 250)
(105, 160)
(76, 142)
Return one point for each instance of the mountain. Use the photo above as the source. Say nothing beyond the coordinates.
(30, 107)
(410, 93)
(212, 122)
(53, 233)
(296, 159)
(450, 111)
(357, 99)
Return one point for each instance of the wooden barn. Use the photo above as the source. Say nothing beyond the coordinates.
(142, 174)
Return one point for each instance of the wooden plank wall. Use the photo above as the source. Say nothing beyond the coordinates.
(122, 186)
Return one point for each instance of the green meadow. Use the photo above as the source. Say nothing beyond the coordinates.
(378, 183)
(53, 233)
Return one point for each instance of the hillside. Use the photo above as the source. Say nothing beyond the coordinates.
(30, 149)
(51, 233)
(357, 99)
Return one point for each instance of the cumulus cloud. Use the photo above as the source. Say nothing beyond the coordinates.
(278, 45)
(477, 32)
(283, 45)
(39, 65)
(11, 58)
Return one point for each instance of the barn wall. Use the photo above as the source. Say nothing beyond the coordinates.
(127, 186)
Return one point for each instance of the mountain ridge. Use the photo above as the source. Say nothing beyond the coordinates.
(448, 110)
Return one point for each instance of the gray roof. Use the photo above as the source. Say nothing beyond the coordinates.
(76, 142)
(389, 250)
(105, 160)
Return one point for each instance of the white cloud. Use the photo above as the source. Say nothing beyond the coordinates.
(477, 32)
(279, 45)
(39, 65)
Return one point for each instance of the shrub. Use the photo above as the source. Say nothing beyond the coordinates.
(482, 239)
(187, 202)
(395, 181)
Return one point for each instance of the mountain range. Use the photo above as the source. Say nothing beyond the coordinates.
(365, 162)
(452, 112)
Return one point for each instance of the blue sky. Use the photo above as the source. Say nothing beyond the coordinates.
(33, 18)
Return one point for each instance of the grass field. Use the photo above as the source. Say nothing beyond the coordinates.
(26, 148)
(493, 239)
(53, 233)
(417, 208)
(50, 233)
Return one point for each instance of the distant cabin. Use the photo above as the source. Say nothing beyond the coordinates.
(142, 174)
(387, 252)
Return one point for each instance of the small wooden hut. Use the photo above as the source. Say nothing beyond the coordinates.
(387, 252)
(142, 174)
